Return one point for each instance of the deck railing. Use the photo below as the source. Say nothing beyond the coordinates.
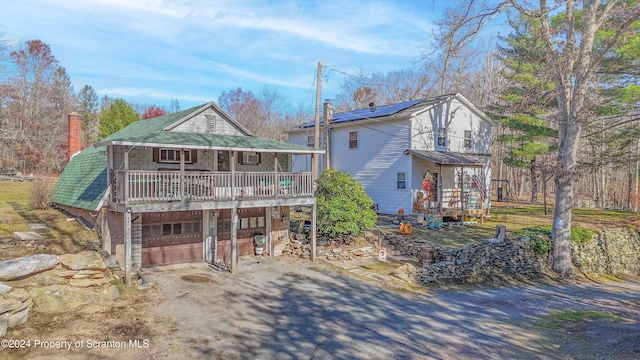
(452, 198)
(155, 186)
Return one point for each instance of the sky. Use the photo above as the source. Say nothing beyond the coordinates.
(152, 51)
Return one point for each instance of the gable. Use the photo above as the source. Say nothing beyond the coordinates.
(209, 120)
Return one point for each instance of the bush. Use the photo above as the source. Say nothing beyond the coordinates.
(541, 237)
(42, 192)
(343, 206)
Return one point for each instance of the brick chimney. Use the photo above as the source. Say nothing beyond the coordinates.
(75, 135)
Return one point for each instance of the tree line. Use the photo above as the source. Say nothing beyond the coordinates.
(36, 97)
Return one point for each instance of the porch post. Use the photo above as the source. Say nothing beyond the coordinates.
(206, 245)
(440, 192)
(267, 224)
(313, 231)
(462, 190)
(276, 183)
(234, 239)
(126, 178)
(127, 246)
(182, 194)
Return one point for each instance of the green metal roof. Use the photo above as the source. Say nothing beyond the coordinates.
(83, 182)
(151, 133)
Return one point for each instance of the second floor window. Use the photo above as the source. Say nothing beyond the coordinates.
(401, 181)
(353, 139)
(310, 141)
(442, 137)
(468, 144)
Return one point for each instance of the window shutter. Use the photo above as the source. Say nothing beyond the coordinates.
(239, 157)
(156, 155)
(194, 156)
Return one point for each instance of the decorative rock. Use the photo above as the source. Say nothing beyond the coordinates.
(18, 294)
(113, 262)
(66, 273)
(61, 298)
(4, 323)
(405, 272)
(49, 278)
(89, 282)
(112, 292)
(18, 317)
(86, 260)
(4, 288)
(26, 266)
(7, 305)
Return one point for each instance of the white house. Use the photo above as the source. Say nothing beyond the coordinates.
(390, 150)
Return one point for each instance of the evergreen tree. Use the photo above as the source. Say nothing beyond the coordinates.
(526, 102)
(88, 110)
(119, 114)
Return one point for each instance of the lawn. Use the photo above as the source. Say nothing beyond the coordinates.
(61, 236)
(514, 217)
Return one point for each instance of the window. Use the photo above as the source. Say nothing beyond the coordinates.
(353, 139)
(310, 141)
(172, 156)
(468, 144)
(401, 181)
(442, 137)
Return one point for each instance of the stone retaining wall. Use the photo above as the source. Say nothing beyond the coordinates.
(614, 251)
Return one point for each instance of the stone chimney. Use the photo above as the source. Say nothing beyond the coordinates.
(75, 135)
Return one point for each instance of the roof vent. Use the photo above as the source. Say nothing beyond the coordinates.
(372, 106)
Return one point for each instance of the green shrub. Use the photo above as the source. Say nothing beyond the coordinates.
(343, 206)
(541, 237)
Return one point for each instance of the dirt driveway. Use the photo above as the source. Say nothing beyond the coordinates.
(289, 309)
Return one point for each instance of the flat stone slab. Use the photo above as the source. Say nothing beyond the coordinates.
(26, 266)
(37, 226)
(30, 235)
(4, 288)
(86, 260)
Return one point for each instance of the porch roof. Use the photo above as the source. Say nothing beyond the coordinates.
(446, 157)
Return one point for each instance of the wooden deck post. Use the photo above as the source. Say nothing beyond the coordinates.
(313, 231)
(234, 239)
(127, 247)
(126, 178)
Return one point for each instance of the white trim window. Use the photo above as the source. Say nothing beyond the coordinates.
(442, 137)
(401, 181)
(353, 139)
(310, 141)
(468, 142)
(172, 156)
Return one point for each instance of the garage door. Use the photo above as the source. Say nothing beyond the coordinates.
(171, 237)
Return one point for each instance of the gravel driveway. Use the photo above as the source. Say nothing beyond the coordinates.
(290, 309)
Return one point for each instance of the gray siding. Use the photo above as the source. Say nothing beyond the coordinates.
(198, 124)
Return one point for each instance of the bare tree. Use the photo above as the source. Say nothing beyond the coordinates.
(36, 96)
(573, 57)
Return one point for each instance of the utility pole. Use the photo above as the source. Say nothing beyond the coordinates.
(316, 128)
(328, 119)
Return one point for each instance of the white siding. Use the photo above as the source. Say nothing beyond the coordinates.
(302, 163)
(455, 117)
(376, 161)
(198, 124)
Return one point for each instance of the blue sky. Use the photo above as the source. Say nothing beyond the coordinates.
(151, 51)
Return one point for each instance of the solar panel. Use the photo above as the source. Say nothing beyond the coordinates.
(384, 110)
